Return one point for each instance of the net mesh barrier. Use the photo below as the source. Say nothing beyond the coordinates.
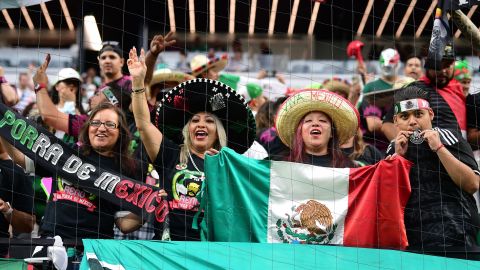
(262, 52)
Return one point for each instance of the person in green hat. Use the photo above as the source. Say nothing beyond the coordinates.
(253, 94)
(463, 75)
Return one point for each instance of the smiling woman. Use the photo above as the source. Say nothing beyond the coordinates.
(313, 124)
(72, 212)
(191, 120)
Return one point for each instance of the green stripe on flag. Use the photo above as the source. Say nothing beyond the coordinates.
(220, 255)
(240, 193)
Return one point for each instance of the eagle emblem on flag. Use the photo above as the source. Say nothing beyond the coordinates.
(309, 223)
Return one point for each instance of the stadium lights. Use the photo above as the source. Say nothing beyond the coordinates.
(212, 16)
(253, 12)
(171, 15)
(385, 18)
(469, 15)
(191, 13)
(67, 15)
(293, 17)
(47, 16)
(91, 35)
(8, 19)
(27, 17)
(405, 18)
(231, 22)
(313, 19)
(273, 14)
(365, 17)
(425, 19)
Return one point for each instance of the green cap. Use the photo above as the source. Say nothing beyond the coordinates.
(315, 85)
(254, 90)
(461, 70)
(230, 80)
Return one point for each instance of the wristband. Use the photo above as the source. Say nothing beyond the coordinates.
(3, 80)
(138, 91)
(39, 86)
(440, 147)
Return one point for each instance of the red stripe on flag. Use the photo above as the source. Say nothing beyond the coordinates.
(377, 198)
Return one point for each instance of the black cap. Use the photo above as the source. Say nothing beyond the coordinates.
(111, 46)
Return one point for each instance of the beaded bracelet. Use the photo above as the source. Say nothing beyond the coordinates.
(138, 91)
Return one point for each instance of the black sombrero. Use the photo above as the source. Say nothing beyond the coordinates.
(178, 105)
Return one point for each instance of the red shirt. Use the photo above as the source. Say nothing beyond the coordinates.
(453, 95)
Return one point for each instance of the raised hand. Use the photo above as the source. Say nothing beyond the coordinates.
(40, 76)
(136, 65)
(160, 43)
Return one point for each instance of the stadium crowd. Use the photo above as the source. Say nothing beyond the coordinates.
(146, 127)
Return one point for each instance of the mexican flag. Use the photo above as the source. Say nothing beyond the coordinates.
(249, 200)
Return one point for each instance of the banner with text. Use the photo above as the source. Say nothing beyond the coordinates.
(57, 157)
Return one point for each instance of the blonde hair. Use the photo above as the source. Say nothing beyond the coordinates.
(187, 141)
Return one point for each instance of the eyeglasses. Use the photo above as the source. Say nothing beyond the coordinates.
(107, 124)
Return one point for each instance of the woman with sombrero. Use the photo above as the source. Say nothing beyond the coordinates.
(191, 120)
(202, 67)
(313, 124)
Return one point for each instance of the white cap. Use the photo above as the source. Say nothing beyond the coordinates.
(67, 73)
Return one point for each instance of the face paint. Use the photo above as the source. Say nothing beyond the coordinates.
(389, 59)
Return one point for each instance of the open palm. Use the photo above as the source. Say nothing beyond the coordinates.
(136, 64)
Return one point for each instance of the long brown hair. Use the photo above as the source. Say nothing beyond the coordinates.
(298, 154)
(123, 156)
(358, 146)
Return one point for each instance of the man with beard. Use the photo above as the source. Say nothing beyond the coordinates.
(413, 68)
(445, 96)
(371, 114)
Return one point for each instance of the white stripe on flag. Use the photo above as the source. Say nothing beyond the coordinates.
(299, 194)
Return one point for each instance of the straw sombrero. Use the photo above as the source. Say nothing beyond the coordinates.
(177, 106)
(343, 114)
(200, 63)
(167, 75)
(383, 98)
(337, 85)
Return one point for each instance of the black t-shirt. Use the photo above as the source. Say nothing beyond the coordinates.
(74, 213)
(438, 212)
(444, 116)
(323, 161)
(370, 156)
(473, 114)
(16, 188)
(183, 183)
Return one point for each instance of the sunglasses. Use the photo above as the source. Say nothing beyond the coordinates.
(111, 43)
(107, 124)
